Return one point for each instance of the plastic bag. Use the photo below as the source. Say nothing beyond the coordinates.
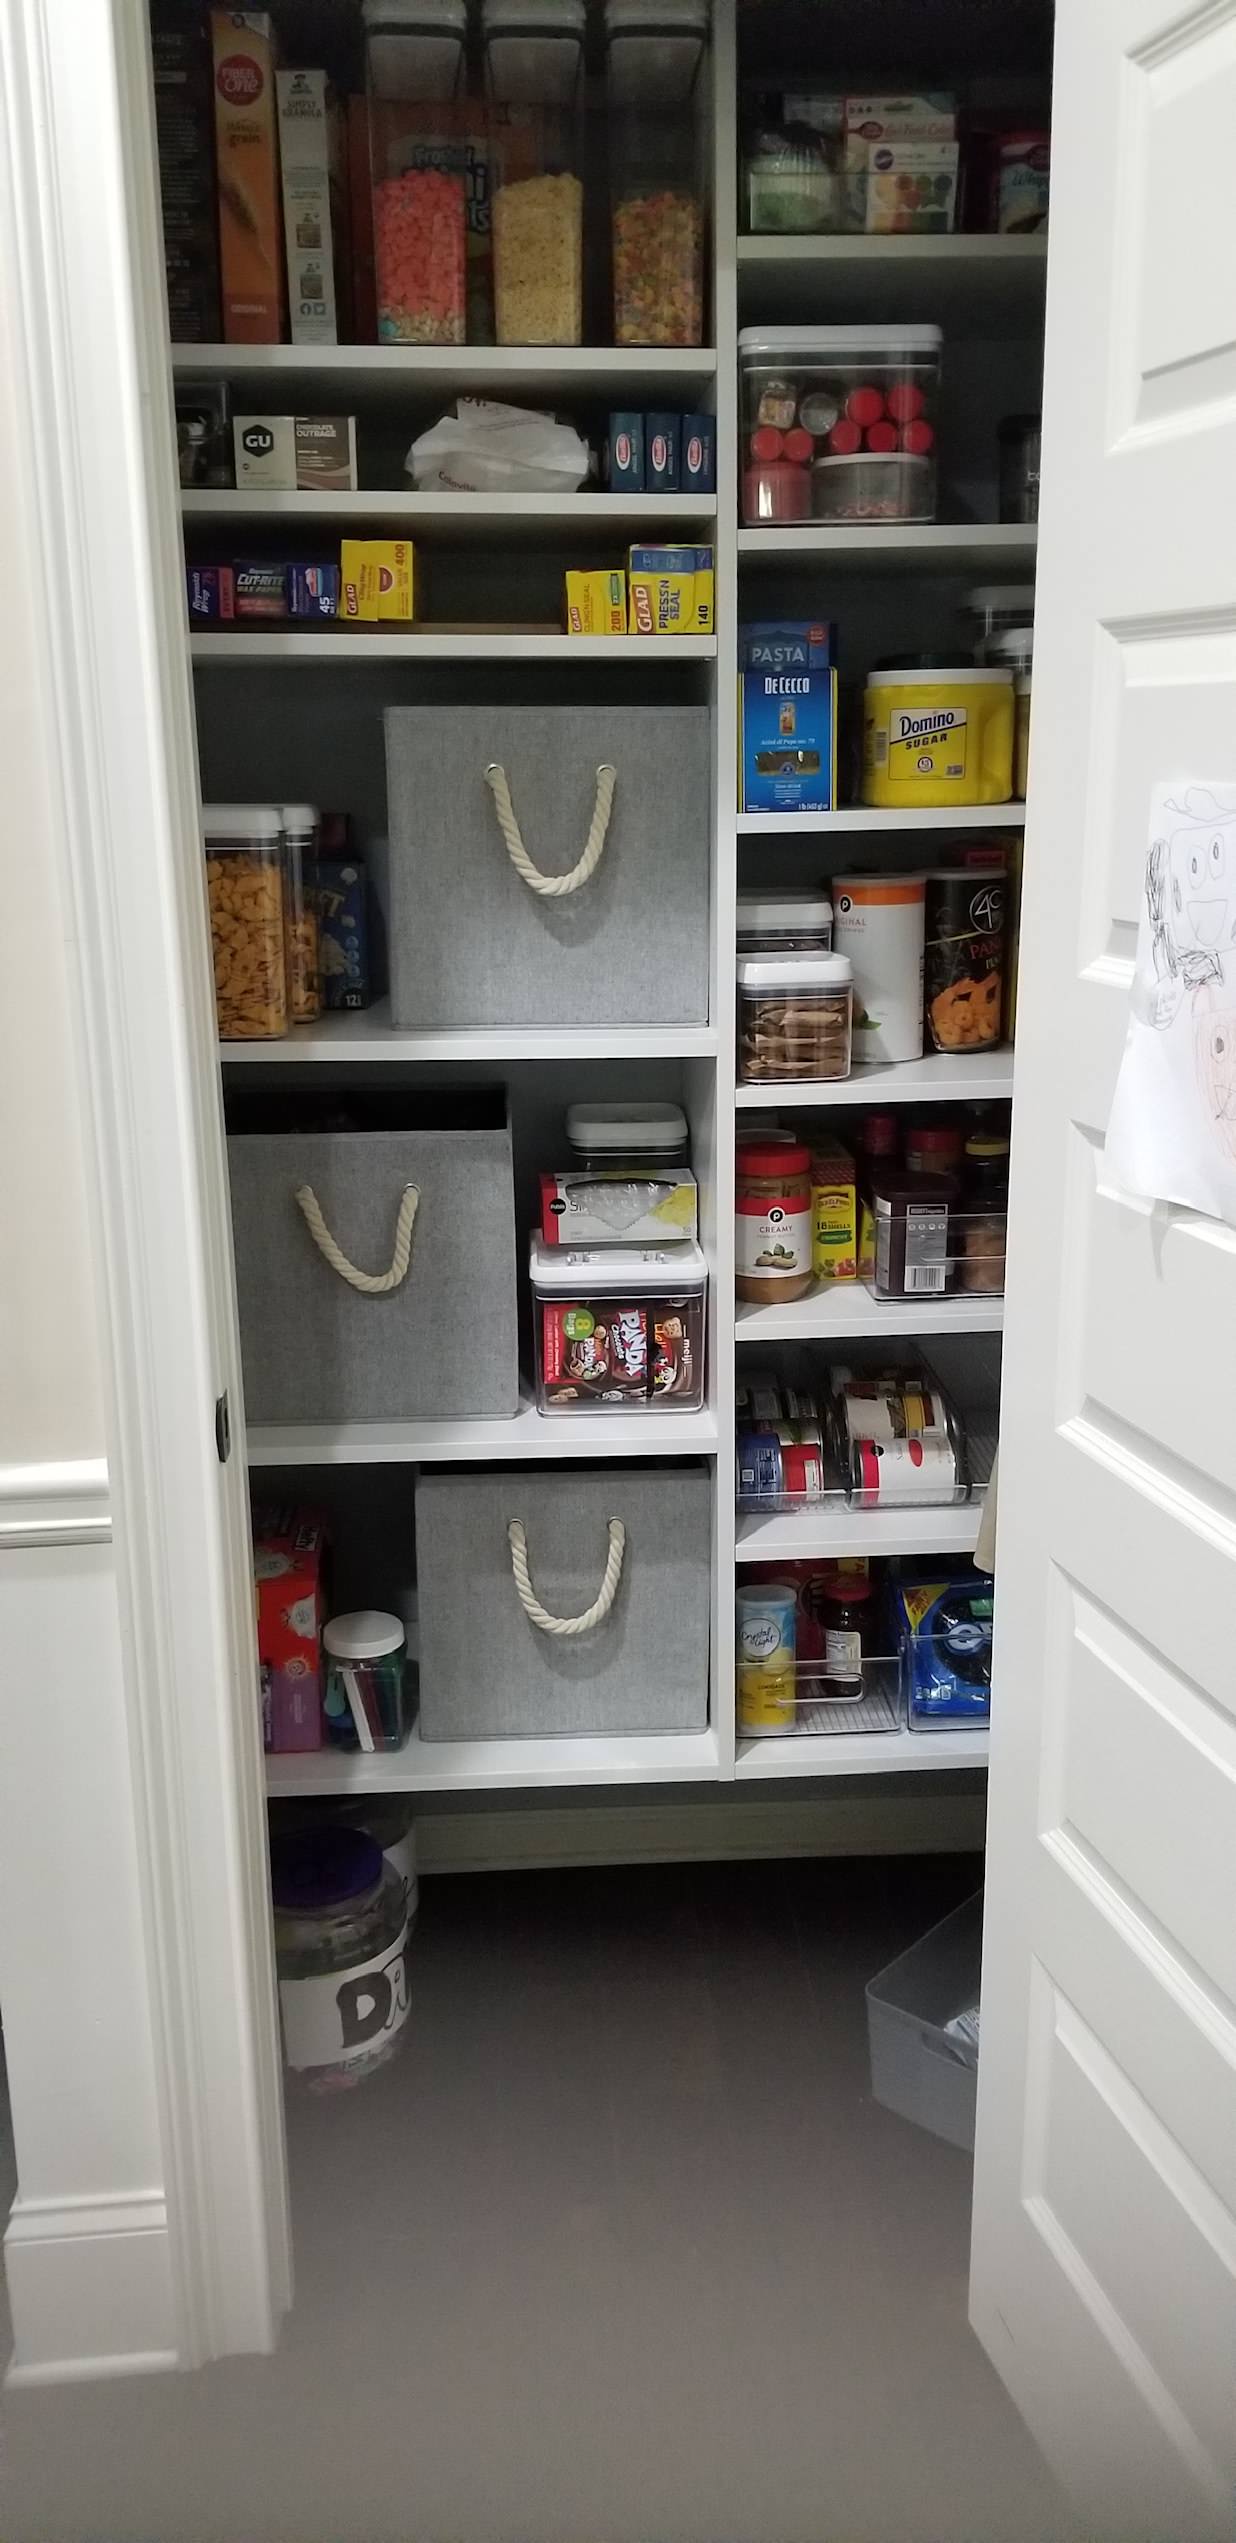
(484, 448)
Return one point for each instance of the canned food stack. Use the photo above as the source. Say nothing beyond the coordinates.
(925, 1218)
(618, 1278)
(839, 423)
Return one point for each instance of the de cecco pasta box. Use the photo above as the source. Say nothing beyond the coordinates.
(787, 741)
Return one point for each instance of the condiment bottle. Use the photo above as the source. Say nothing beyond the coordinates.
(772, 1221)
(933, 1148)
(984, 1220)
(848, 1626)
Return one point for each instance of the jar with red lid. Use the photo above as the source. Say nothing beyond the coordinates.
(772, 1222)
(849, 1633)
(933, 1148)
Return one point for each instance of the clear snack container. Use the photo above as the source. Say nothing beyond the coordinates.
(538, 229)
(246, 893)
(301, 824)
(619, 1328)
(795, 1014)
(854, 408)
(414, 67)
(656, 229)
(366, 1703)
(994, 609)
(784, 923)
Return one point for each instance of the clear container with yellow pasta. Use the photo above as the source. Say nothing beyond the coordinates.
(538, 230)
(301, 824)
(246, 893)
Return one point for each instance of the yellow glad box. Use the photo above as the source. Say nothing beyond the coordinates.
(377, 579)
(596, 604)
(671, 591)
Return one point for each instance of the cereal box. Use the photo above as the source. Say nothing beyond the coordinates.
(247, 151)
(787, 741)
(310, 159)
(289, 1555)
(184, 125)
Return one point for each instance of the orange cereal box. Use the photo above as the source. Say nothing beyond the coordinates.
(247, 150)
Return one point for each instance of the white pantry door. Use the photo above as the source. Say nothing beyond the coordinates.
(1104, 2258)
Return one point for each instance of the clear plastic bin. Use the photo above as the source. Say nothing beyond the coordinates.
(921, 2068)
(859, 395)
(415, 64)
(538, 230)
(246, 891)
(795, 1013)
(619, 1328)
(657, 230)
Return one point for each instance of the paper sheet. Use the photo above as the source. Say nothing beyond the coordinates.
(1172, 1134)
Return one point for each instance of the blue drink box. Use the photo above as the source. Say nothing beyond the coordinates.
(787, 741)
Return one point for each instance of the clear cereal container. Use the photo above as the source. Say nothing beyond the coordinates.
(538, 229)
(415, 61)
(619, 1328)
(656, 230)
(851, 412)
(534, 51)
(301, 825)
(246, 890)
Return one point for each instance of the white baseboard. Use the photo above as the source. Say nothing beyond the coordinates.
(89, 2289)
(721, 1831)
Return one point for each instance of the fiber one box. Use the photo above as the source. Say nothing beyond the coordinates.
(247, 152)
(671, 591)
(289, 1553)
(310, 160)
(787, 644)
(596, 604)
(787, 741)
(295, 454)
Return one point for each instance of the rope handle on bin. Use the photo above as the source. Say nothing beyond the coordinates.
(553, 887)
(607, 1593)
(374, 1284)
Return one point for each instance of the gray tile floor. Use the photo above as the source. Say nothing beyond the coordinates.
(621, 2251)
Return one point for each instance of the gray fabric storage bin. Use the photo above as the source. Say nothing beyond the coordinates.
(917, 2069)
(445, 1343)
(487, 1672)
(470, 943)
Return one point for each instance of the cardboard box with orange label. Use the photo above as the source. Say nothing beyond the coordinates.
(247, 152)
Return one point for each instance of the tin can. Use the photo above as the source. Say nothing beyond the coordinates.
(893, 1473)
(766, 1620)
(963, 962)
(873, 1411)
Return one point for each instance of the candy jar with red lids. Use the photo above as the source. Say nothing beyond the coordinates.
(414, 53)
(854, 407)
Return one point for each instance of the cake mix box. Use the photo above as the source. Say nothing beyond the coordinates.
(289, 1558)
(247, 154)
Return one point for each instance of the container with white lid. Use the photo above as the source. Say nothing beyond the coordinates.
(301, 824)
(415, 60)
(366, 1680)
(618, 1328)
(534, 50)
(627, 1134)
(415, 48)
(653, 51)
(1012, 651)
(866, 396)
(795, 1013)
(246, 890)
(784, 923)
(993, 608)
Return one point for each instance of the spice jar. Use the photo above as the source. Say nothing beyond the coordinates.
(772, 1222)
(245, 890)
(657, 232)
(341, 1933)
(794, 1017)
(301, 823)
(849, 1625)
(414, 52)
(984, 1221)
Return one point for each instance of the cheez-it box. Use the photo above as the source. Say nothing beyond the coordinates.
(289, 1554)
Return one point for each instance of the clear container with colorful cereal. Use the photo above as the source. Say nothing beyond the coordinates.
(795, 1014)
(415, 60)
(246, 892)
(341, 1942)
(619, 1328)
(301, 825)
(854, 409)
(538, 229)
(657, 230)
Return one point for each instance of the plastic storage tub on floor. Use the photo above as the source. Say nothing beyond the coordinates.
(474, 941)
(501, 1556)
(917, 2068)
(356, 1302)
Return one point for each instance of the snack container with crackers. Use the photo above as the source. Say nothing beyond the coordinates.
(245, 884)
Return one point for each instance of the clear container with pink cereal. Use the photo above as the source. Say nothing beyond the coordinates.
(839, 423)
(414, 73)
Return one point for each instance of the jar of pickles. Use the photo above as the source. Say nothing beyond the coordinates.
(656, 232)
(246, 894)
(415, 61)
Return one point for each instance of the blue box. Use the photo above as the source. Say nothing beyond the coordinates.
(624, 454)
(313, 591)
(787, 644)
(697, 454)
(661, 461)
(211, 590)
(787, 741)
(343, 931)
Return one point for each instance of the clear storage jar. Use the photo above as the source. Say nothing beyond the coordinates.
(414, 72)
(656, 230)
(992, 610)
(341, 1937)
(795, 1014)
(619, 1328)
(301, 824)
(538, 229)
(366, 1680)
(853, 408)
(246, 893)
(784, 923)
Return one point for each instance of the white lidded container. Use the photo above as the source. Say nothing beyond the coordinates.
(784, 923)
(992, 609)
(301, 826)
(366, 1680)
(534, 51)
(878, 920)
(415, 48)
(794, 1015)
(619, 1328)
(616, 1134)
(247, 893)
(653, 51)
(814, 395)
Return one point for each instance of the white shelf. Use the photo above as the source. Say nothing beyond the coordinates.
(943, 1077)
(857, 818)
(845, 1311)
(862, 1753)
(971, 285)
(942, 547)
(368, 1035)
(293, 645)
(411, 370)
(530, 1437)
(450, 519)
(498, 1765)
(827, 1528)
